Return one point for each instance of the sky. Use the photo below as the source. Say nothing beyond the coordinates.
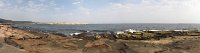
(102, 11)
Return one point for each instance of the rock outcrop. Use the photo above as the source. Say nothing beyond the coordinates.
(9, 31)
(14, 40)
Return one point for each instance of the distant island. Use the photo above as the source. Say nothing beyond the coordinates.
(60, 23)
(31, 22)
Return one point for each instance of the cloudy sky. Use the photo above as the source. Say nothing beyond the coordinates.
(102, 11)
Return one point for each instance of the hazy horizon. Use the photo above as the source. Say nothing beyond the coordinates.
(102, 11)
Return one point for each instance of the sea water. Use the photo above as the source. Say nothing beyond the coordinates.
(67, 29)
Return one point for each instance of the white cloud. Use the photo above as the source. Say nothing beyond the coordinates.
(76, 3)
(164, 11)
(1, 4)
(30, 10)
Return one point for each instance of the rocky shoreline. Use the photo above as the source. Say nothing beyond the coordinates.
(26, 41)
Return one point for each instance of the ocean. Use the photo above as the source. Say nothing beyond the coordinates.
(67, 29)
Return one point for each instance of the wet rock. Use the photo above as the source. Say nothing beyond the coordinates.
(60, 34)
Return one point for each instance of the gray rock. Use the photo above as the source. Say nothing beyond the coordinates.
(1, 45)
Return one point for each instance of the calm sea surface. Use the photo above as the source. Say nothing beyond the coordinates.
(66, 29)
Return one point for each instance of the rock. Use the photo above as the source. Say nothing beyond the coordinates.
(70, 46)
(1, 45)
(123, 48)
(19, 37)
(2, 35)
(8, 34)
(13, 43)
(10, 49)
(99, 46)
